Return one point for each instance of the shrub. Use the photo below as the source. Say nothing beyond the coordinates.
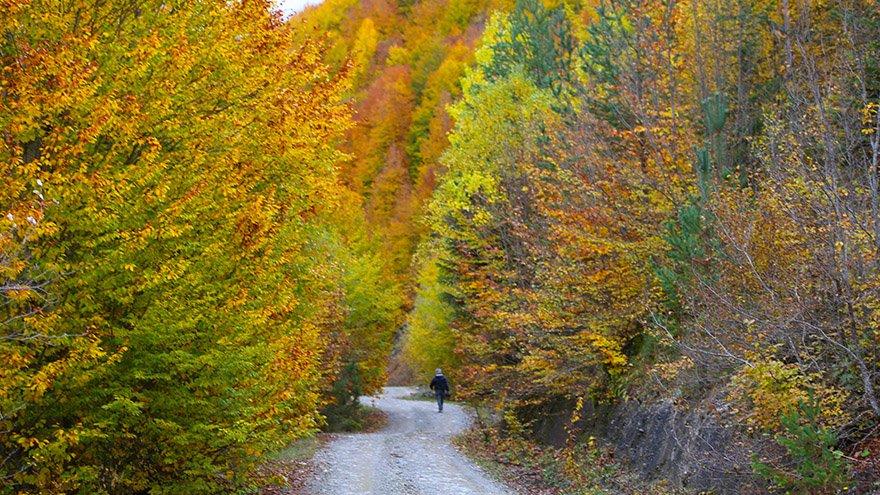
(773, 388)
(814, 466)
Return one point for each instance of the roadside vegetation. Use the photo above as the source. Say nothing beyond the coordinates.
(184, 278)
(530, 468)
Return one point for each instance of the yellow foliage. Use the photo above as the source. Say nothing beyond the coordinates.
(769, 389)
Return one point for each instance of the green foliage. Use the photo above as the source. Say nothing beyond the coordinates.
(690, 238)
(684, 238)
(714, 152)
(607, 54)
(684, 235)
(342, 412)
(540, 43)
(816, 466)
(495, 122)
(372, 302)
(430, 341)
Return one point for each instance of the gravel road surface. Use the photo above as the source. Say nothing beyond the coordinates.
(412, 455)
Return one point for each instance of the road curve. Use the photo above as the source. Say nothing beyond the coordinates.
(412, 455)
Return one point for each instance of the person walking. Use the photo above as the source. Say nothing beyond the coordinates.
(440, 386)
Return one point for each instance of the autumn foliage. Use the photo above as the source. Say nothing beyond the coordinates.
(182, 271)
(214, 219)
(642, 197)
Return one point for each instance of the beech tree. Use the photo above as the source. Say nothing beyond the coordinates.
(169, 172)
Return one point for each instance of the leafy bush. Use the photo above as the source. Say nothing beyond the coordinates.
(773, 388)
(815, 465)
(343, 411)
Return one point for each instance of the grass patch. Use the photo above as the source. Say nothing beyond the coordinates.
(301, 450)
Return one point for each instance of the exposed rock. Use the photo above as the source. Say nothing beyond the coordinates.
(691, 448)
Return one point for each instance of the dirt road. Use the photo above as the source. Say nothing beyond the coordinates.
(412, 455)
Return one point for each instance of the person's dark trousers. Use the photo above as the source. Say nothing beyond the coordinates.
(439, 396)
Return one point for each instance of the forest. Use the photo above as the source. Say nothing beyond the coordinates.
(218, 224)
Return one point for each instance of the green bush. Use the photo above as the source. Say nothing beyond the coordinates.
(815, 466)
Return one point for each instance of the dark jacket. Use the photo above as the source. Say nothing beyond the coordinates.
(440, 384)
